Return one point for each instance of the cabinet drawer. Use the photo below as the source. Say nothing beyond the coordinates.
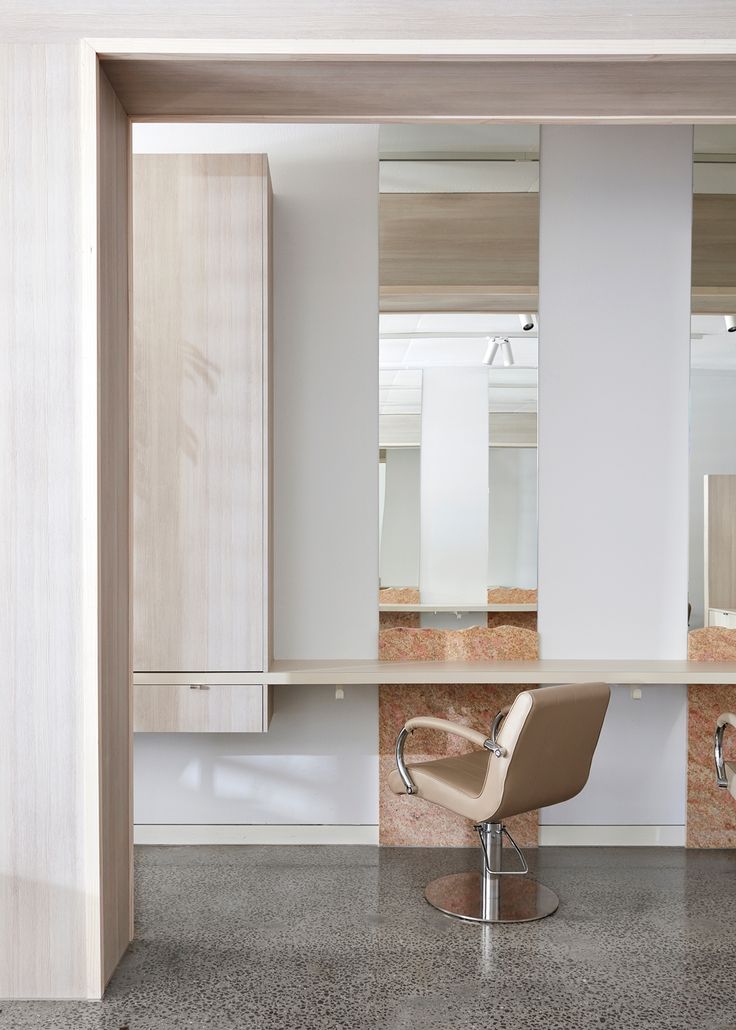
(721, 617)
(199, 708)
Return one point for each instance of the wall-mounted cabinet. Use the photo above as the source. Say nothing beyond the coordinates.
(201, 288)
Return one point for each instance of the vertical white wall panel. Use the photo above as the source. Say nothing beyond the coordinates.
(639, 771)
(615, 231)
(454, 486)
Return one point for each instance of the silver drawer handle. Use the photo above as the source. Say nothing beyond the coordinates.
(199, 686)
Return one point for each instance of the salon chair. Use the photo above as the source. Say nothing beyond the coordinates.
(538, 753)
(725, 771)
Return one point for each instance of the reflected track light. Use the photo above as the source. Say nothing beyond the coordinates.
(527, 322)
(507, 354)
(730, 323)
(491, 352)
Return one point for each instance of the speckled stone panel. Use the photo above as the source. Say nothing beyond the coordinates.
(511, 595)
(711, 811)
(477, 644)
(410, 821)
(524, 620)
(340, 938)
(399, 595)
(392, 620)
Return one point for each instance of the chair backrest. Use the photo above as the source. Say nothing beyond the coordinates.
(550, 735)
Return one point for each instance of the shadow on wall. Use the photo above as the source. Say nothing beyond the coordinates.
(317, 764)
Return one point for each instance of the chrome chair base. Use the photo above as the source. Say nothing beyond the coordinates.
(482, 898)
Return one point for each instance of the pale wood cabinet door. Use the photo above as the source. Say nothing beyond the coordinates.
(199, 265)
(200, 708)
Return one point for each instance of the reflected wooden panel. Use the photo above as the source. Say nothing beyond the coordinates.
(479, 252)
(720, 543)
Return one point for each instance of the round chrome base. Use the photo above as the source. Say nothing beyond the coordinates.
(517, 898)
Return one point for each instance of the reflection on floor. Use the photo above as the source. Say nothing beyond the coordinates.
(340, 938)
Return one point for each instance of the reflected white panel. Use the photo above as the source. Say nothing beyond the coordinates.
(400, 535)
(454, 485)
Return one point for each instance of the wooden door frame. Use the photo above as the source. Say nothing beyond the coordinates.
(440, 58)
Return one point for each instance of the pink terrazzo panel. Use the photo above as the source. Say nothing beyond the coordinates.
(479, 644)
(711, 811)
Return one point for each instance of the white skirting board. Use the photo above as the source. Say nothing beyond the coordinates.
(559, 836)
(612, 836)
(230, 833)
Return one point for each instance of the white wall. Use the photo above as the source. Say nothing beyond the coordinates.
(325, 180)
(712, 451)
(316, 764)
(638, 776)
(400, 538)
(615, 235)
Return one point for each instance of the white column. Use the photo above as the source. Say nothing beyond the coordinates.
(614, 356)
(454, 486)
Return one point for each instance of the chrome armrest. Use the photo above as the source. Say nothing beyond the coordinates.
(401, 765)
(725, 719)
(456, 728)
(491, 743)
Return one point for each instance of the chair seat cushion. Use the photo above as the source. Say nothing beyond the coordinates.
(447, 781)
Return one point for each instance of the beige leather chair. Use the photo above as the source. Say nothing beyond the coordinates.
(725, 771)
(538, 753)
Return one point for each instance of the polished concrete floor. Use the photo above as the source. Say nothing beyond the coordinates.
(340, 938)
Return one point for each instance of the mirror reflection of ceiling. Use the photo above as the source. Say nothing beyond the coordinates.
(712, 346)
(505, 158)
(410, 343)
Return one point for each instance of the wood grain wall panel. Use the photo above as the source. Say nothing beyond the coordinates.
(590, 28)
(113, 149)
(198, 412)
(721, 542)
(385, 90)
(580, 28)
(65, 654)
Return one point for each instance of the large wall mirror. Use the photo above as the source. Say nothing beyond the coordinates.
(712, 588)
(458, 354)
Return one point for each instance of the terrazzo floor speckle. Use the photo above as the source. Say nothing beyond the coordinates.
(340, 938)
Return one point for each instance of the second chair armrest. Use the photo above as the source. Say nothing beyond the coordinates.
(429, 722)
(725, 719)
